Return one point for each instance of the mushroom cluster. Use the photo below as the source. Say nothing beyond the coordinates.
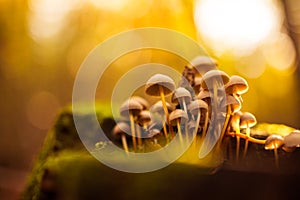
(202, 93)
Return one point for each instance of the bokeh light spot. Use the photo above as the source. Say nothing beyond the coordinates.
(41, 109)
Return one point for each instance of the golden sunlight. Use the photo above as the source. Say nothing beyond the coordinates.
(238, 25)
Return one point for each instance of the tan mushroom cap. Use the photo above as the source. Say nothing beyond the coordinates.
(178, 114)
(203, 95)
(236, 85)
(191, 126)
(180, 93)
(132, 106)
(153, 132)
(158, 108)
(247, 119)
(273, 142)
(203, 64)
(232, 102)
(152, 85)
(195, 106)
(213, 75)
(292, 140)
(144, 117)
(142, 101)
(197, 84)
(120, 128)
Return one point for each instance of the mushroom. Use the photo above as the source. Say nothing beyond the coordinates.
(236, 86)
(158, 108)
(143, 119)
(142, 101)
(232, 105)
(131, 108)
(203, 64)
(196, 108)
(213, 80)
(119, 131)
(235, 123)
(181, 96)
(176, 117)
(197, 85)
(161, 85)
(291, 141)
(152, 143)
(205, 96)
(273, 142)
(247, 121)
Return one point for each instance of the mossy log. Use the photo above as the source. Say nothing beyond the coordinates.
(65, 170)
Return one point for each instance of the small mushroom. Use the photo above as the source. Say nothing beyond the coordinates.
(247, 121)
(142, 101)
(213, 80)
(119, 131)
(152, 141)
(197, 85)
(160, 85)
(196, 108)
(203, 64)
(205, 96)
(273, 142)
(182, 96)
(235, 123)
(236, 86)
(232, 105)
(131, 108)
(291, 141)
(143, 119)
(158, 108)
(176, 117)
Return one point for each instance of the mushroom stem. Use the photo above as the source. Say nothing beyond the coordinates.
(196, 128)
(186, 133)
(132, 130)
(179, 133)
(162, 95)
(184, 105)
(237, 153)
(124, 143)
(246, 142)
(165, 131)
(237, 130)
(276, 158)
(251, 139)
(228, 113)
(139, 136)
(205, 126)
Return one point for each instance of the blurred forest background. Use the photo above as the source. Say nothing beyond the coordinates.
(44, 42)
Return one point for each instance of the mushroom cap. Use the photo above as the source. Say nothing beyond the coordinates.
(273, 142)
(158, 107)
(292, 139)
(153, 132)
(247, 119)
(203, 64)
(132, 106)
(180, 93)
(231, 101)
(144, 117)
(142, 101)
(236, 85)
(203, 95)
(195, 106)
(191, 126)
(213, 75)
(157, 80)
(120, 128)
(178, 114)
(197, 84)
